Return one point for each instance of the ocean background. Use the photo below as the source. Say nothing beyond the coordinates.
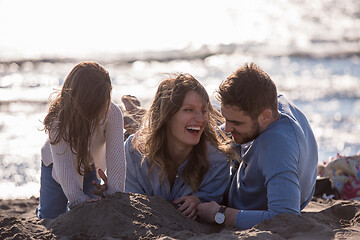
(310, 48)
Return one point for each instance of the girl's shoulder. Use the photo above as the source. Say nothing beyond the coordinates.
(128, 142)
(114, 109)
(129, 145)
(132, 154)
(114, 115)
(214, 153)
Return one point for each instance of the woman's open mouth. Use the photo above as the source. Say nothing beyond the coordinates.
(194, 130)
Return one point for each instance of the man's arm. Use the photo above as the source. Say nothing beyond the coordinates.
(207, 211)
(279, 167)
(283, 197)
(277, 162)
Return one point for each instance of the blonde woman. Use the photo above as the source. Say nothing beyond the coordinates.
(177, 154)
(85, 134)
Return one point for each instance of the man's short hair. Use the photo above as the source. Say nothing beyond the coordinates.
(250, 89)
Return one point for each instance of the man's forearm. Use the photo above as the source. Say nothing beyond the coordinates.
(230, 216)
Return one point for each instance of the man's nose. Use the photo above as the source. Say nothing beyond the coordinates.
(228, 127)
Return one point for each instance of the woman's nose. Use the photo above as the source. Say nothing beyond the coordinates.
(201, 116)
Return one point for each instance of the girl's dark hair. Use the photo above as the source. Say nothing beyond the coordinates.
(78, 109)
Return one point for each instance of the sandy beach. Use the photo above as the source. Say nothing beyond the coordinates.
(135, 216)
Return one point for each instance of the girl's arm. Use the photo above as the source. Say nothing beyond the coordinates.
(66, 173)
(115, 155)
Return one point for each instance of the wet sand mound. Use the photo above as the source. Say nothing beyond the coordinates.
(128, 216)
(135, 216)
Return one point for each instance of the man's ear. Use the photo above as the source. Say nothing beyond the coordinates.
(265, 118)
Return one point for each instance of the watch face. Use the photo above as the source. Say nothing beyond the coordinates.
(219, 218)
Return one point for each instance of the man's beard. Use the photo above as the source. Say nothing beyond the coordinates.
(255, 132)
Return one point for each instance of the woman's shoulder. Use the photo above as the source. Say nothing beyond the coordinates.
(129, 145)
(132, 154)
(211, 149)
(128, 142)
(215, 154)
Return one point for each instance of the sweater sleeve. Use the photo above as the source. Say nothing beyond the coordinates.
(66, 175)
(115, 156)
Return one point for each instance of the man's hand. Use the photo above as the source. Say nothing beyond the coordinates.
(100, 188)
(187, 205)
(206, 211)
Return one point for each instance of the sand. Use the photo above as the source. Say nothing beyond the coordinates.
(135, 216)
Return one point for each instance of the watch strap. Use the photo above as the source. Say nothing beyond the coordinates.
(222, 209)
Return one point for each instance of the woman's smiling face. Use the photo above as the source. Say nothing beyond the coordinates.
(186, 126)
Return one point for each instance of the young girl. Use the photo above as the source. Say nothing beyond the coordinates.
(177, 153)
(85, 134)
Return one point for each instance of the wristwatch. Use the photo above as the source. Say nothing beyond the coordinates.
(220, 216)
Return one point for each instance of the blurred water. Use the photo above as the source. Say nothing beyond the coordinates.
(311, 49)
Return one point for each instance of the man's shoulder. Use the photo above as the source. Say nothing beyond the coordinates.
(281, 130)
(280, 139)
